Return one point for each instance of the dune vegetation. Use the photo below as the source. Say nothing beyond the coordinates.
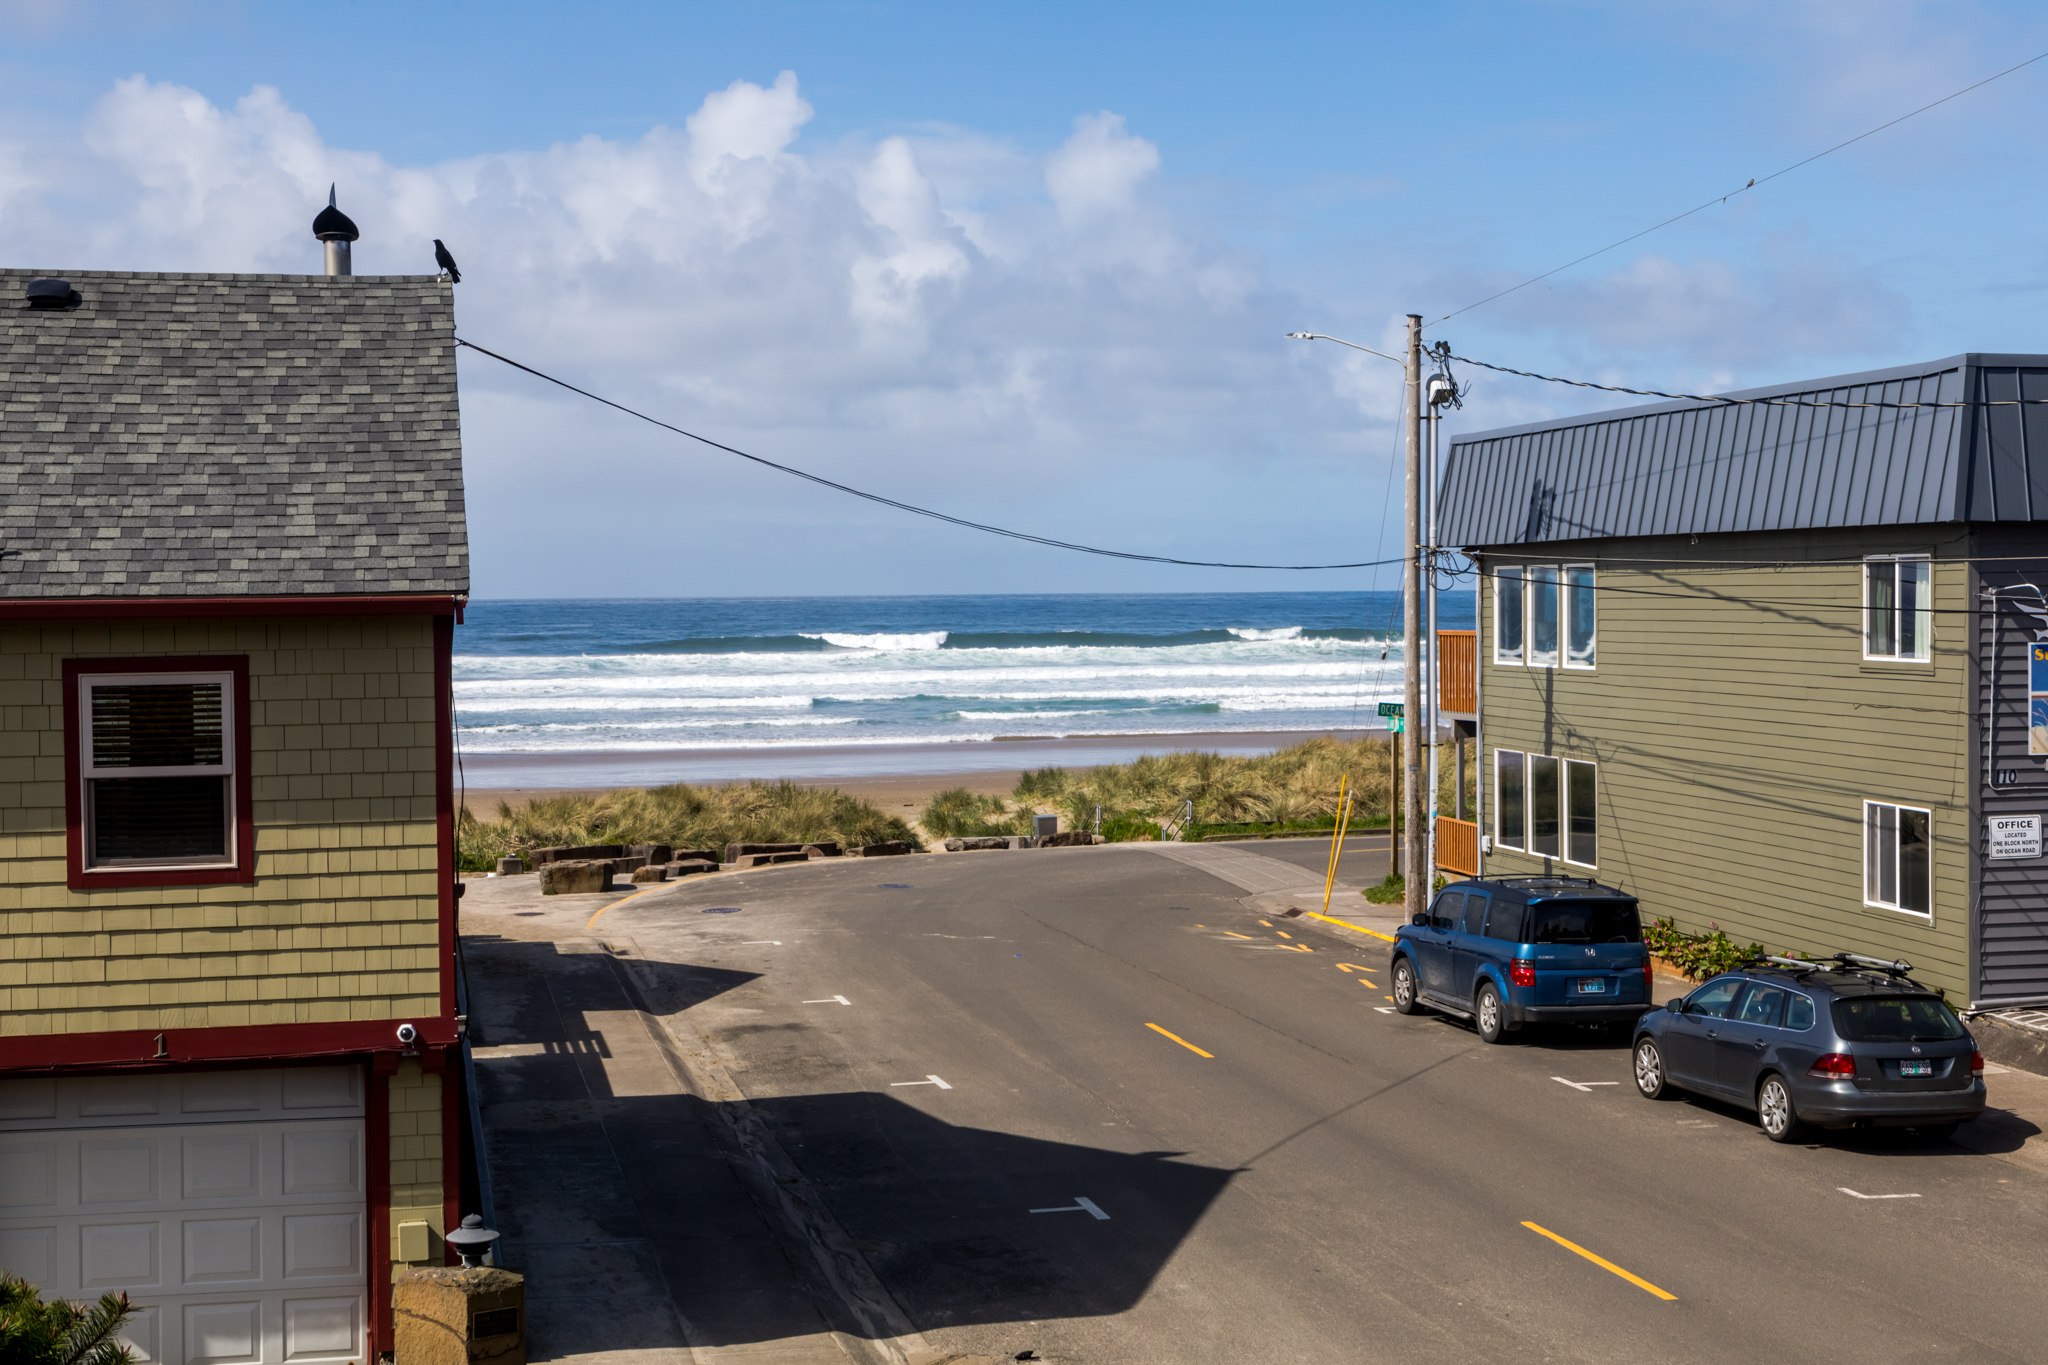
(680, 815)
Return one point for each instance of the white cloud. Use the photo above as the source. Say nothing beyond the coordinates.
(934, 311)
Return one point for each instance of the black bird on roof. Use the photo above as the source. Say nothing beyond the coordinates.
(446, 262)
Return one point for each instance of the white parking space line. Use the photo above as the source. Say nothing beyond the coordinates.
(752, 942)
(1855, 1194)
(928, 1080)
(1386, 1009)
(1586, 1086)
(830, 1000)
(1082, 1204)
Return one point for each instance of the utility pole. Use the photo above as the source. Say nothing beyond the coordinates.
(1415, 848)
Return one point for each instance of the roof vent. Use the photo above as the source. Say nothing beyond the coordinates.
(336, 230)
(52, 294)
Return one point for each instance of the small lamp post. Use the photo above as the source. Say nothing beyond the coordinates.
(472, 1241)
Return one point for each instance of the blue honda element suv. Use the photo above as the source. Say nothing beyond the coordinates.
(1506, 951)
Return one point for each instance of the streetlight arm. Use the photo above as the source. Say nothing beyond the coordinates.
(1320, 336)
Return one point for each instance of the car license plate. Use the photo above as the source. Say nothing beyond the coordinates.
(1592, 985)
(1916, 1068)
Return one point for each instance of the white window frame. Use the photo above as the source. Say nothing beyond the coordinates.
(1529, 846)
(88, 771)
(1870, 900)
(1522, 837)
(1565, 805)
(1530, 594)
(1564, 617)
(1925, 612)
(1520, 575)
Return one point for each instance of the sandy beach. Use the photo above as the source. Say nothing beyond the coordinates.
(894, 777)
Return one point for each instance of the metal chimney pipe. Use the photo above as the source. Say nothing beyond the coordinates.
(335, 230)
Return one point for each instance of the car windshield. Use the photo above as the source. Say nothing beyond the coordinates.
(1584, 922)
(1897, 1019)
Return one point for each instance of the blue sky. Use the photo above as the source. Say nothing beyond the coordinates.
(1031, 263)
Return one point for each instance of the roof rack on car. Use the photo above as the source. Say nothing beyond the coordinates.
(1874, 963)
(1795, 964)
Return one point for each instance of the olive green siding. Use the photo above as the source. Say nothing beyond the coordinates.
(1738, 731)
(416, 1190)
(342, 921)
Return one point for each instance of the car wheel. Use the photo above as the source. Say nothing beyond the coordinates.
(1649, 1071)
(1405, 999)
(1488, 1016)
(1774, 1109)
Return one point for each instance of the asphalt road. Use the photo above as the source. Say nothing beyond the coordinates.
(1086, 1103)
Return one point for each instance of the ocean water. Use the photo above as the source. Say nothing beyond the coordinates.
(640, 689)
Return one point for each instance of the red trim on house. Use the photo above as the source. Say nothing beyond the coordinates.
(129, 608)
(451, 1150)
(246, 1042)
(444, 799)
(81, 878)
(377, 1159)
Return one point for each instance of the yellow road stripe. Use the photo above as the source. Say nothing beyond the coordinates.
(1268, 923)
(1366, 981)
(1245, 937)
(1283, 933)
(1601, 1261)
(1346, 924)
(603, 910)
(1296, 948)
(1183, 1042)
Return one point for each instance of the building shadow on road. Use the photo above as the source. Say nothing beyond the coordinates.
(648, 1217)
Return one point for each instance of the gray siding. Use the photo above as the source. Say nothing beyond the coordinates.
(1738, 731)
(2011, 961)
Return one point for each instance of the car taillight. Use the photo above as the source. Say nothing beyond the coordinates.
(1523, 973)
(1976, 1063)
(1833, 1064)
(1649, 982)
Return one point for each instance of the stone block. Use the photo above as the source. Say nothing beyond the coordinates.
(1072, 838)
(579, 875)
(653, 872)
(794, 855)
(825, 850)
(894, 848)
(508, 867)
(576, 853)
(976, 845)
(690, 867)
(735, 852)
(459, 1315)
(694, 855)
(625, 863)
(651, 853)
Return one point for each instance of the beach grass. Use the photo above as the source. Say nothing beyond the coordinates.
(680, 815)
(963, 814)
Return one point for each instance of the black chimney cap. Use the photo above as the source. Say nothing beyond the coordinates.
(332, 225)
(52, 294)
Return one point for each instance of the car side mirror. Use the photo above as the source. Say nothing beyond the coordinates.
(1676, 1006)
(1419, 918)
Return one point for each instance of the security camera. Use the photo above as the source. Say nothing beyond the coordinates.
(408, 1035)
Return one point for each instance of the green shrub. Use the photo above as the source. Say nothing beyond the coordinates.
(1044, 785)
(1698, 955)
(679, 815)
(958, 813)
(1128, 827)
(35, 1332)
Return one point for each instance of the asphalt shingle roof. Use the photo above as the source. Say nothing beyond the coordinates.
(230, 435)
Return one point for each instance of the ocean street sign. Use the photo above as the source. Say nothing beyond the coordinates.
(1390, 708)
(1395, 725)
(2013, 836)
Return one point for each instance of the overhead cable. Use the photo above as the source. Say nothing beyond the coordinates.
(1729, 400)
(910, 507)
(1743, 188)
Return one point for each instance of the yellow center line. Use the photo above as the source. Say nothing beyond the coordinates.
(1601, 1261)
(1283, 933)
(1228, 934)
(1347, 924)
(1268, 923)
(1364, 981)
(603, 910)
(1182, 1041)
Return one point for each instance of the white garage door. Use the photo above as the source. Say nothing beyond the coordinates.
(229, 1204)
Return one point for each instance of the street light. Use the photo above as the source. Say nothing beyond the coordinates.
(1415, 851)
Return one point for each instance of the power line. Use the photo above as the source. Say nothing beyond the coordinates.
(1743, 189)
(1726, 400)
(910, 507)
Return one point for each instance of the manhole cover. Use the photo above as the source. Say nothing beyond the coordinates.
(721, 909)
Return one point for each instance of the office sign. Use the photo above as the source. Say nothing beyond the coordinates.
(2037, 700)
(2013, 836)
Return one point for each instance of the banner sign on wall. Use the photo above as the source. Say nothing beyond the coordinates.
(2037, 702)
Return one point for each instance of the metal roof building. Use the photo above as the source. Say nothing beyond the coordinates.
(1694, 468)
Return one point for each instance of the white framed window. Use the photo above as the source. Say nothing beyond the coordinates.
(1898, 608)
(1898, 858)
(1543, 616)
(1581, 818)
(1510, 800)
(1579, 616)
(1546, 807)
(156, 770)
(1507, 616)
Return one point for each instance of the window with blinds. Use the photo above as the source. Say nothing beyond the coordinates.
(159, 770)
